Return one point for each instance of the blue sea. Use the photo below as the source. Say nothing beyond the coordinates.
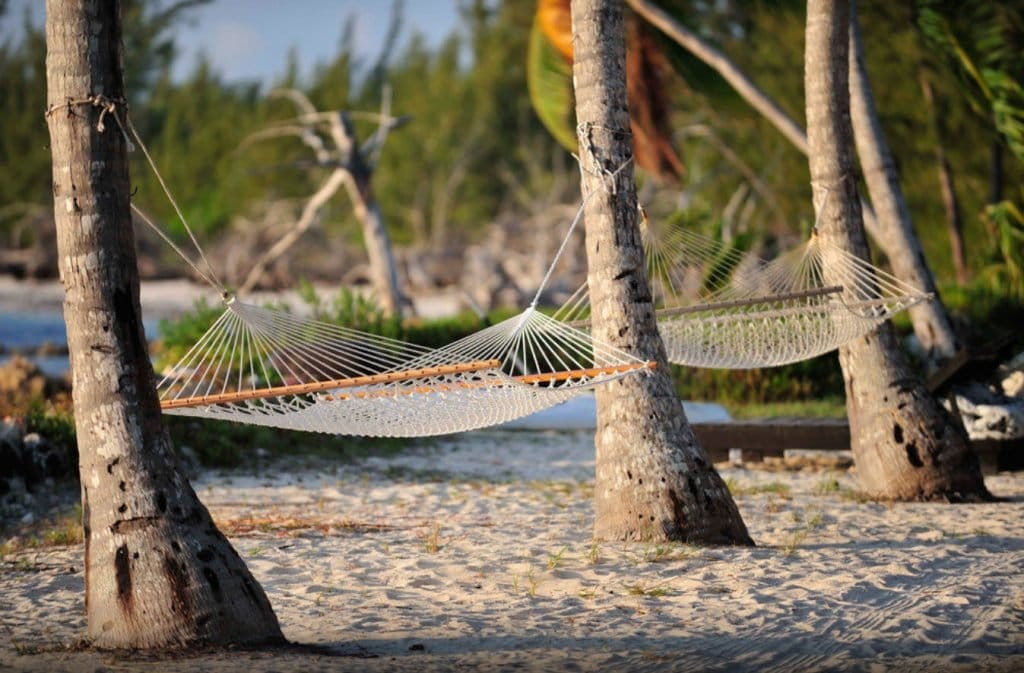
(21, 331)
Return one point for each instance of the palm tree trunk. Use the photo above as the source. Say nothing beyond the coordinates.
(905, 445)
(654, 482)
(158, 573)
(895, 230)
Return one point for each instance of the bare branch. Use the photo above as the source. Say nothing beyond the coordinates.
(305, 221)
(300, 99)
(306, 135)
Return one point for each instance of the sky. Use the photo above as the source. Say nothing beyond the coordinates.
(250, 39)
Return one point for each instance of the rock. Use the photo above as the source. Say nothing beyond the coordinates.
(50, 348)
(1013, 385)
(988, 414)
(41, 459)
(18, 376)
(10, 454)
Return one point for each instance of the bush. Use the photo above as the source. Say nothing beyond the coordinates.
(815, 379)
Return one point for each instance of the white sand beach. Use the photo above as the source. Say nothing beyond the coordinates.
(474, 553)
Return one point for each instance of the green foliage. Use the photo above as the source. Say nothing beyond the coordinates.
(352, 310)
(985, 312)
(1007, 274)
(178, 335)
(811, 380)
(984, 41)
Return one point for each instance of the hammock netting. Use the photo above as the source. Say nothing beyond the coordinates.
(269, 367)
(719, 307)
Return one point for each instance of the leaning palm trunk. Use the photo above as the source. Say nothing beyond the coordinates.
(654, 482)
(158, 573)
(905, 445)
(895, 231)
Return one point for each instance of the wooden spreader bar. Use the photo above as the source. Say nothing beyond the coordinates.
(528, 379)
(753, 301)
(318, 386)
(584, 373)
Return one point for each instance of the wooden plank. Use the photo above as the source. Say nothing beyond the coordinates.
(775, 434)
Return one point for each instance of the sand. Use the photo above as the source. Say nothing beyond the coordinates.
(474, 553)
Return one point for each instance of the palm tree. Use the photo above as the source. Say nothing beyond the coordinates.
(905, 445)
(654, 481)
(158, 573)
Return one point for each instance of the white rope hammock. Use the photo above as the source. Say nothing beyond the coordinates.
(718, 307)
(268, 367)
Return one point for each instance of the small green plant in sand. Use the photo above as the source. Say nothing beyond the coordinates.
(808, 525)
(586, 594)
(556, 559)
(432, 541)
(532, 583)
(594, 554)
(666, 553)
(647, 591)
(773, 487)
(828, 486)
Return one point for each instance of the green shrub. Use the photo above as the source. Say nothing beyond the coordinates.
(179, 334)
(815, 379)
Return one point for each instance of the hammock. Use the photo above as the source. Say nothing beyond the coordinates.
(268, 367)
(722, 308)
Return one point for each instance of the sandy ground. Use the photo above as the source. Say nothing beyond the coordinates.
(474, 553)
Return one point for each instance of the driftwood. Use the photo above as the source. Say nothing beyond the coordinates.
(333, 141)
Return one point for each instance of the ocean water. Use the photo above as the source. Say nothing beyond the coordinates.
(28, 330)
(22, 330)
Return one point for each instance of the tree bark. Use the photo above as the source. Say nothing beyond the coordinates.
(158, 573)
(654, 481)
(895, 229)
(905, 445)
